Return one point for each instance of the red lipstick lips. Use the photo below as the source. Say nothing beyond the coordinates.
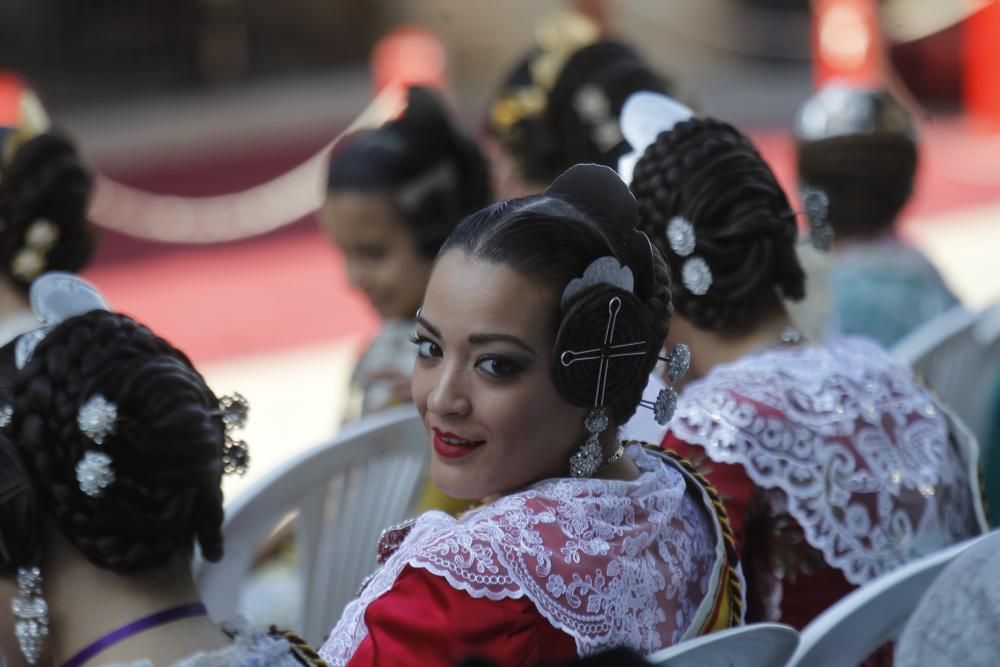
(451, 446)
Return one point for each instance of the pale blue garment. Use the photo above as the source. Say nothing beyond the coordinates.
(883, 289)
(956, 620)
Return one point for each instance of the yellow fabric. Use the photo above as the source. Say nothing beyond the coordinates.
(433, 499)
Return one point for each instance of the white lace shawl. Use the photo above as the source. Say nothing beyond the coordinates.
(872, 467)
(608, 562)
(251, 648)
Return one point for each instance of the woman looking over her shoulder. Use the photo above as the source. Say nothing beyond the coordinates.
(836, 465)
(393, 196)
(581, 542)
(115, 450)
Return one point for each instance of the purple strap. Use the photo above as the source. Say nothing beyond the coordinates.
(134, 628)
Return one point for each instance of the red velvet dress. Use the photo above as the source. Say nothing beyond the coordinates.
(567, 567)
(835, 466)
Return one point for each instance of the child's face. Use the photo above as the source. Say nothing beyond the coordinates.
(381, 257)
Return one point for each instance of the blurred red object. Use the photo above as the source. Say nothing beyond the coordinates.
(408, 56)
(847, 42)
(981, 55)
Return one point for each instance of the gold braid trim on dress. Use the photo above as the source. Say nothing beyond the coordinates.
(305, 653)
(732, 555)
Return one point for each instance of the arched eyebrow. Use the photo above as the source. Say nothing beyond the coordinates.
(481, 338)
(484, 338)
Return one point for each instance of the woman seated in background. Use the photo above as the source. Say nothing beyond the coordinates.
(44, 192)
(393, 197)
(581, 542)
(559, 106)
(111, 471)
(836, 465)
(857, 159)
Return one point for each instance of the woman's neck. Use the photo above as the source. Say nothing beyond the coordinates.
(712, 348)
(86, 603)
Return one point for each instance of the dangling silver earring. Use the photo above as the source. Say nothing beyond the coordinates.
(678, 363)
(589, 458)
(31, 614)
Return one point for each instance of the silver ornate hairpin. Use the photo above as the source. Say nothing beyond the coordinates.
(678, 363)
(6, 415)
(234, 409)
(31, 614)
(94, 473)
(588, 459)
(593, 106)
(696, 276)
(817, 208)
(96, 418)
(605, 270)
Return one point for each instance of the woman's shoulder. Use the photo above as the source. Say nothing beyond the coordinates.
(800, 384)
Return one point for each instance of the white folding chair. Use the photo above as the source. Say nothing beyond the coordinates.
(344, 493)
(757, 645)
(958, 355)
(849, 631)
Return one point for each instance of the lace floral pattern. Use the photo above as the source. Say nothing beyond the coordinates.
(607, 562)
(871, 466)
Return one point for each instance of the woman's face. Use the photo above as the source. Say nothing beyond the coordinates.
(381, 258)
(482, 381)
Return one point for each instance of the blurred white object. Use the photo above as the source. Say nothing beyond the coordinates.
(958, 355)
(644, 116)
(851, 630)
(757, 645)
(345, 492)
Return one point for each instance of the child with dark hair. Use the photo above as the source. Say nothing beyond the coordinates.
(559, 106)
(857, 159)
(393, 196)
(581, 542)
(836, 465)
(112, 467)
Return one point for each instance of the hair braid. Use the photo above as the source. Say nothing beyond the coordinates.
(166, 448)
(710, 174)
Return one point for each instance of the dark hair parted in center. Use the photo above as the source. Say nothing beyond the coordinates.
(166, 447)
(710, 174)
(552, 238)
(431, 171)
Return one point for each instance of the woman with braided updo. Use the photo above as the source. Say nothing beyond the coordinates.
(559, 105)
(857, 153)
(118, 448)
(44, 192)
(541, 321)
(836, 465)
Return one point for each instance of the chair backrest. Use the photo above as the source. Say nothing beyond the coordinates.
(849, 631)
(757, 645)
(958, 355)
(344, 493)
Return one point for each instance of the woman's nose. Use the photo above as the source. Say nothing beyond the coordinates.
(450, 396)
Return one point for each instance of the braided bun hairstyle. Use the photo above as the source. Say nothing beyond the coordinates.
(576, 122)
(433, 172)
(868, 178)
(710, 174)
(553, 237)
(44, 193)
(166, 446)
